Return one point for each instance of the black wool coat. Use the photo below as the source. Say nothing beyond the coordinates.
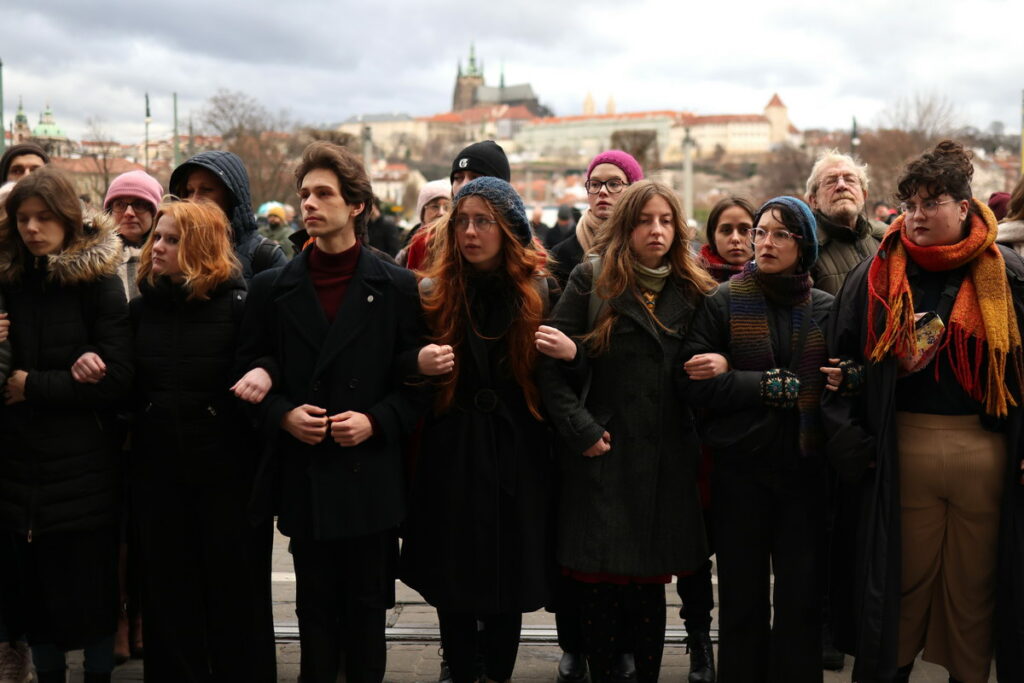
(479, 536)
(634, 510)
(59, 463)
(365, 362)
(866, 562)
(190, 427)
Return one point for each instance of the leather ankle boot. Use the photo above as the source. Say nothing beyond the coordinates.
(903, 674)
(702, 657)
(572, 668)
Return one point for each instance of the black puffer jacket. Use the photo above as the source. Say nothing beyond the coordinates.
(59, 459)
(230, 169)
(190, 426)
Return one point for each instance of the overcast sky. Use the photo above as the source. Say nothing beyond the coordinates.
(323, 61)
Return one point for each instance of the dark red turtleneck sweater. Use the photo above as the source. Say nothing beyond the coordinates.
(331, 274)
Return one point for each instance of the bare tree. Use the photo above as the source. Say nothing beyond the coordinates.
(928, 117)
(102, 151)
(641, 144)
(784, 172)
(264, 141)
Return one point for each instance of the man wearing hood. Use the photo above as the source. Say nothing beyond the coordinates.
(221, 178)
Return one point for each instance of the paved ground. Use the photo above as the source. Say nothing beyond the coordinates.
(412, 649)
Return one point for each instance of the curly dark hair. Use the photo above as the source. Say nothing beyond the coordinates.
(947, 169)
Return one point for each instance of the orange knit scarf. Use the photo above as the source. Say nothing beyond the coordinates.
(983, 309)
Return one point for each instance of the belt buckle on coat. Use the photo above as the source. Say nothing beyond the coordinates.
(485, 400)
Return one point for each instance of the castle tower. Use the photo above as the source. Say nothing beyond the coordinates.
(778, 119)
(609, 108)
(588, 105)
(21, 132)
(466, 83)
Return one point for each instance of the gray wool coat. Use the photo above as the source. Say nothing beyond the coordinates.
(635, 510)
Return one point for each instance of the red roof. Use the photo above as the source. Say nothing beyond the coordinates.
(478, 114)
(776, 101)
(725, 118)
(90, 165)
(630, 115)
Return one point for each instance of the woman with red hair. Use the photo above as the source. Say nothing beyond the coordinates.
(192, 467)
(478, 544)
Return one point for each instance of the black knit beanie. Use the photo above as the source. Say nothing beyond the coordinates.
(17, 151)
(486, 158)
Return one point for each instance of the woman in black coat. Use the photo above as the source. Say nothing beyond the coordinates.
(59, 468)
(763, 425)
(629, 514)
(478, 540)
(193, 458)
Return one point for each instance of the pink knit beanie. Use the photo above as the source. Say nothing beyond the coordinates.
(138, 184)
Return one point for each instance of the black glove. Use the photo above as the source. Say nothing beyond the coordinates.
(780, 388)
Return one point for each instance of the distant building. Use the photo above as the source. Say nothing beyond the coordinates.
(48, 135)
(578, 138)
(471, 91)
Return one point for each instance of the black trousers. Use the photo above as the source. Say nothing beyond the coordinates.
(343, 589)
(206, 585)
(610, 609)
(769, 520)
(695, 589)
(466, 648)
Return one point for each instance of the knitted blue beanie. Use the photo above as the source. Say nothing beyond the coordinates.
(504, 198)
(807, 227)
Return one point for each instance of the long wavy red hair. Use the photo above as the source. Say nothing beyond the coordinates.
(446, 305)
(205, 253)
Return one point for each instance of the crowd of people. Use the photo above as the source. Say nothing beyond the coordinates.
(509, 420)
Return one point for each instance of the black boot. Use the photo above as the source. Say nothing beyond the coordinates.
(623, 668)
(572, 668)
(446, 673)
(831, 658)
(702, 657)
(903, 674)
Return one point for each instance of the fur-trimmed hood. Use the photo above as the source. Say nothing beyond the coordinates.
(94, 255)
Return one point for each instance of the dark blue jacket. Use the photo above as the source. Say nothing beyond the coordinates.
(230, 169)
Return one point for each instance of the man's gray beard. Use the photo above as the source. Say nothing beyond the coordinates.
(846, 214)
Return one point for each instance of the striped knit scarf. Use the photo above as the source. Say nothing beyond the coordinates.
(751, 346)
(982, 312)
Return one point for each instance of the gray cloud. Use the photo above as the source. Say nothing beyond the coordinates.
(325, 60)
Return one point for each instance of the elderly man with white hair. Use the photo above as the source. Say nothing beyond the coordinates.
(837, 190)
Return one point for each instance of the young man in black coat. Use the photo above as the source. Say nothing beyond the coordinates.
(341, 329)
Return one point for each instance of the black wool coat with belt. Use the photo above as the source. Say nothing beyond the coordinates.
(635, 510)
(364, 362)
(479, 537)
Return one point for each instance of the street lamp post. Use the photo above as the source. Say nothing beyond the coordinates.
(149, 120)
(854, 139)
(688, 145)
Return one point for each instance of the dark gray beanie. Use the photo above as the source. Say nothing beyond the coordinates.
(504, 198)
